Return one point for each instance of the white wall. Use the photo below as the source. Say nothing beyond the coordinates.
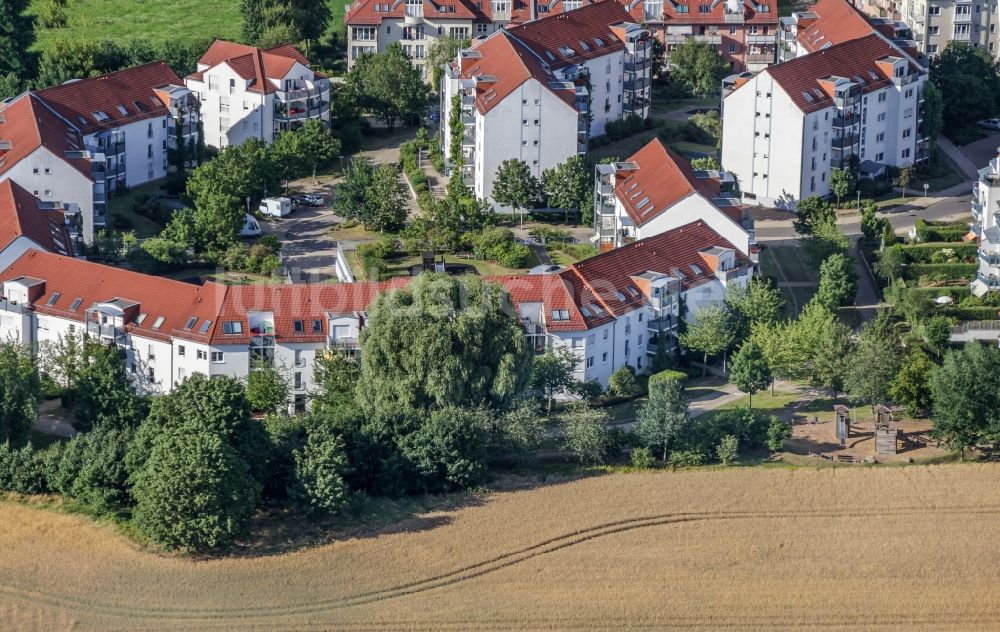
(62, 183)
(250, 113)
(15, 249)
(691, 209)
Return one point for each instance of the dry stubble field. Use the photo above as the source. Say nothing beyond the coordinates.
(839, 548)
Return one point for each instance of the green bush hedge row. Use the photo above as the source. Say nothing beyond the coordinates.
(924, 253)
(940, 231)
(970, 313)
(940, 270)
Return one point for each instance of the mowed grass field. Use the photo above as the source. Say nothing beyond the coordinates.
(154, 21)
(901, 548)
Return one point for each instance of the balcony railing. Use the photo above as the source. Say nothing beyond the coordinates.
(760, 58)
(738, 17)
(990, 259)
(844, 142)
(301, 112)
(302, 95)
(636, 85)
(639, 65)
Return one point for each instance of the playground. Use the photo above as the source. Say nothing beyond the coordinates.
(860, 435)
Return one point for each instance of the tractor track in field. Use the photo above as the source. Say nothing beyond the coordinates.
(205, 618)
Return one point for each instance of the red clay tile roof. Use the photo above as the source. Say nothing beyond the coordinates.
(837, 22)
(175, 301)
(551, 290)
(662, 180)
(131, 89)
(601, 278)
(585, 31)
(852, 59)
(511, 64)
(20, 215)
(253, 64)
(302, 302)
(716, 14)
(29, 124)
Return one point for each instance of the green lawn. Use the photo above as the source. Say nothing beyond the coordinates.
(568, 254)
(768, 265)
(120, 205)
(792, 264)
(155, 22)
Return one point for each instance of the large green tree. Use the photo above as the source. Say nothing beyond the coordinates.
(105, 395)
(967, 78)
(17, 34)
(911, 386)
(662, 416)
(876, 361)
(810, 212)
(552, 373)
(585, 434)
(386, 200)
(759, 302)
(442, 51)
(515, 186)
(698, 66)
(388, 86)
(319, 487)
(838, 282)
(449, 448)
(442, 341)
(966, 394)
(750, 371)
(300, 152)
(570, 185)
(194, 491)
(19, 391)
(710, 334)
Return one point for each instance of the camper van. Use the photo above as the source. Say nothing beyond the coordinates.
(250, 227)
(276, 207)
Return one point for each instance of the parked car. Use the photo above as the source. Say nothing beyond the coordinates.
(990, 124)
(307, 200)
(250, 227)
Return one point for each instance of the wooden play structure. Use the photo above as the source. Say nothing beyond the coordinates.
(886, 431)
(843, 425)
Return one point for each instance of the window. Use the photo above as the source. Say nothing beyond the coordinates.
(933, 30)
(605, 334)
(881, 97)
(218, 357)
(298, 381)
(879, 157)
(159, 321)
(590, 362)
(906, 132)
(880, 137)
(732, 47)
(149, 373)
(626, 348)
(181, 350)
(52, 299)
(232, 327)
(151, 353)
(298, 326)
(299, 360)
(881, 117)
(906, 153)
(191, 322)
(201, 354)
(317, 326)
(604, 357)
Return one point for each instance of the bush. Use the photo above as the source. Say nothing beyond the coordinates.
(623, 383)
(642, 458)
(685, 458)
(957, 253)
(664, 376)
(22, 470)
(728, 449)
(940, 271)
(373, 256)
(777, 433)
(498, 244)
(969, 313)
(617, 130)
(940, 231)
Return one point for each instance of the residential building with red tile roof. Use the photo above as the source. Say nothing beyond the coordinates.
(611, 310)
(47, 156)
(655, 191)
(134, 118)
(417, 24)
(26, 223)
(248, 92)
(830, 22)
(745, 32)
(786, 128)
(539, 91)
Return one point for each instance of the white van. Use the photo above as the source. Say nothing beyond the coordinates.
(276, 207)
(250, 227)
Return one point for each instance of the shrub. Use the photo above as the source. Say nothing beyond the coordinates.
(940, 271)
(617, 130)
(777, 433)
(939, 231)
(642, 458)
(685, 458)
(21, 470)
(663, 376)
(623, 383)
(498, 244)
(728, 449)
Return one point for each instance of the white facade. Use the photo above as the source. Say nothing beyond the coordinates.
(985, 211)
(781, 154)
(936, 23)
(235, 109)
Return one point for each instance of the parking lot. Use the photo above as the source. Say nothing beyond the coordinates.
(983, 150)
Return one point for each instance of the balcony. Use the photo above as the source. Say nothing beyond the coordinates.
(107, 333)
(709, 38)
(635, 106)
(664, 323)
(990, 281)
(760, 58)
(762, 39)
(735, 18)
(300, 112)
(414, 14)
(303, 95)
(638, 65)
(636, 85)
(963, 18)
(840, 122)
(990, 259)
(845, 142)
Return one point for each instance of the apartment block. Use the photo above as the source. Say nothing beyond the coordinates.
(28, 223)
(744, 31)
(47, 156)
(133, 118)
(784, 129)
(935, 23)
(830, 22)
(985, 224)
(539, 91)
(417, 24)
(246, 92)
(655, 191)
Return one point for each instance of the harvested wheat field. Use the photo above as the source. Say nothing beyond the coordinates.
(837, 548)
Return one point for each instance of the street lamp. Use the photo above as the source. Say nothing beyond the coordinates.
(926, 186)
(859, 200)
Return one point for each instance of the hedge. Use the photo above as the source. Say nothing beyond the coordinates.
(923, 253)
(663, 376)
(969, 313)
(940, 270)
(939, 231)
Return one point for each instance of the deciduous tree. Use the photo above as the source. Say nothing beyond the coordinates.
(966, 394)
(515, 186)
(710, 334)
(911, 386)
(810, 212)
(697, 65)
(750, 371)
(552, 373)
(388, 85)
(838, 282)
(585, 434)
(876, 361)
(662, 416)
(319, 487)
(442, 51)
(19, 391)
(17, 34)
(759, 302)
(569, 186)
(105, 395)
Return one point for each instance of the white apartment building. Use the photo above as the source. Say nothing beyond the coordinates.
(985, 211)
(27, 223)
(830, 22)
(935, 23)
(655, 191)
(47, 156)
(785, 128)
(133, 118)
(539, 91)
(246, 92)
(373, 26)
